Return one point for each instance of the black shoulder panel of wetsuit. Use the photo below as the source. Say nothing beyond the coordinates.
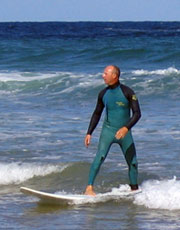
(134, 105)
(97, 112)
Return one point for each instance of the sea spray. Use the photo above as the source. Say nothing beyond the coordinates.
(160, 194)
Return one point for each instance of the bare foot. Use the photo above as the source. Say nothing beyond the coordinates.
(90, 191)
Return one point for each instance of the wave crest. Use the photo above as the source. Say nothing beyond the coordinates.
(82, 85)
(168, 71)
(16, 173)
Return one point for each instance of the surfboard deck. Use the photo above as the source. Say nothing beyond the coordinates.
(70, 199)
(52, 197)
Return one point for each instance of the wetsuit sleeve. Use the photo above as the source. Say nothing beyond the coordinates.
(134, 105)
(97, 113)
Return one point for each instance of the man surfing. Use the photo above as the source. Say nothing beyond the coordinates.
(118, 101)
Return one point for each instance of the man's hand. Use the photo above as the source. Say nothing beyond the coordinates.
(87, 140)
(121, 133)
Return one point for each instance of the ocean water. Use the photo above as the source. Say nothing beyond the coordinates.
(50, 75)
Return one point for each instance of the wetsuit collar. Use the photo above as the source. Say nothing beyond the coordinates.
(115, 85)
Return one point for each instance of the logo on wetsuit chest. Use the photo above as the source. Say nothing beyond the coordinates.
(120, 103)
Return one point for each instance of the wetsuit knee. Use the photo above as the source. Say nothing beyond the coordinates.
(99, 159)
(130, 156)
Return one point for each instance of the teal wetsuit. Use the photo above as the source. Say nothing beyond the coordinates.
(118, 101)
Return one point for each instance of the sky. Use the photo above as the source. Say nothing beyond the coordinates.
(89, 10)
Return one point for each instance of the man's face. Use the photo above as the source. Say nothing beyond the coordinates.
(109, 76)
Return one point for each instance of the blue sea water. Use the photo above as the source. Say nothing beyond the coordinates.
(50, 76)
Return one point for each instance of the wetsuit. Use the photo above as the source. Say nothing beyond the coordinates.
(118, 100)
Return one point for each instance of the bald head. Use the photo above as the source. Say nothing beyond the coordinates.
(111, 74)
(115, 70)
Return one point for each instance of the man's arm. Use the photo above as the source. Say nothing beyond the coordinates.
(134, 105)
(96, 114)
(95, 117)
(136, 112)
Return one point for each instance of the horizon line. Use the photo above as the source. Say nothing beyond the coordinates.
(90, 21)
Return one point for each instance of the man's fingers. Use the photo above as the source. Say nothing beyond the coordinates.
(87, 140)
(118, 135)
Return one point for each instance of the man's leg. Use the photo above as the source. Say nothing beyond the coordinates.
(129, 152)
(103, 149)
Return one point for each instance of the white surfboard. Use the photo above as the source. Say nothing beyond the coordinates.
(53, 197)
(70, 199)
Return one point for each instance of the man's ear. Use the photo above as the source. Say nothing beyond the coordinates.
(114, 76)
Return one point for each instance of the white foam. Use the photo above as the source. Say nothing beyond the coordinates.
(157, 194)
(168, 71)
(15, 173)
(31, 76)
(70, 81)
(153, 194)
(84, 82)
(123, 192)
(25, 76)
